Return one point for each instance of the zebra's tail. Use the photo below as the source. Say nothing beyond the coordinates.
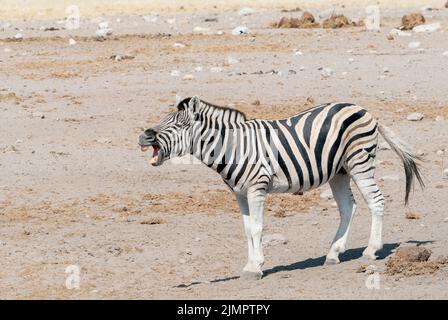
(408, 157)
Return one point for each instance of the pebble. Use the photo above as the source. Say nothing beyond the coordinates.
(414, 44)
(178, 45)
(231, 60)
(415, 116)
(72, 42)
(188, 77)
(326, 194)
(216, 69)
(240, 30)
(175, 73)
(427, 27)
(327, 72)
(246, 11)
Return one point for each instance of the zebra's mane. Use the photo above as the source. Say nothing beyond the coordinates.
(239, 115)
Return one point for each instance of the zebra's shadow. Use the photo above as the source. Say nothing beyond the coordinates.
(350, 254)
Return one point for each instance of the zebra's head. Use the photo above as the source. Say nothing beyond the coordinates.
(172, 136)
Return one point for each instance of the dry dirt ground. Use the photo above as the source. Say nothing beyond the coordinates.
(76, 190)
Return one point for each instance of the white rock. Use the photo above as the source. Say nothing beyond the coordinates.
(72, 42)
(175, 73)
(274, 239)
(201, 30)
(327, 72)
(118, 20)
(301, 68)
(240, 30)
(439, 152)
(104, 140)
(103, 25)
(246, 11)
(298, 53)
(445, 54)
(439, 118)
(215, 69)
(171, 21)
(18, 36)
(326, 194)
(427, 8)
(101, 33)
(351, 60)
(397, 32)
(231, 60)
(178, 45)
(415, 116)
(445, 173)
(427, 27)
(188, 77)
(344, 73)
(219, 33)
(7, 50)
(414, 44)
(198, 69)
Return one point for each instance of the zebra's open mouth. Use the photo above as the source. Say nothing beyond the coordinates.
(157, 154)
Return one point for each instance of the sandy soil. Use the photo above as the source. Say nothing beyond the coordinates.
(76, 190)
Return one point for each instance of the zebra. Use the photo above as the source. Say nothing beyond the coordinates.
(332, 142)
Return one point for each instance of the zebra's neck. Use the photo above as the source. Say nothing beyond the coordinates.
(215, 135)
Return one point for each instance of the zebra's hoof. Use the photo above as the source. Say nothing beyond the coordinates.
(331, 262)
(250, 276)
(368, 257)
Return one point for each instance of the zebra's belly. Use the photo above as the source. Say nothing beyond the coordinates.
(282, 185)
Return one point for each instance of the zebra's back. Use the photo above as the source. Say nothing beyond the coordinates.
(306, 150)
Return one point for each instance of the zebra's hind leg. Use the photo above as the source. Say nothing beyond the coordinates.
(340, 186)
(362, 173)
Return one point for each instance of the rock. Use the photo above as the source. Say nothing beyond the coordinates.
(198, 69)
(326, 194)
(188, 77)
(327, 72)
(171, 21)
(337, 21)
(439, 152)
(409, 21)
(178, 45)
(397, 32)
(175, 73)
(414, 44)
(101, 34)
(240, 30)
(390, 37)
(445, 54)
(118, 57)
(72, 42)
(246, 11)
(445, 173)
(412, 216)
(18, 37)
(306, 21)
(427, 27)
(216, 69)
(415, 116)
(274, 239)
(202, 30)
(413, 253)
(104, 141)
(427, 8)
(439, 118)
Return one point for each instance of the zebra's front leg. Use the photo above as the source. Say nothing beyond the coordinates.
(252, 208)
